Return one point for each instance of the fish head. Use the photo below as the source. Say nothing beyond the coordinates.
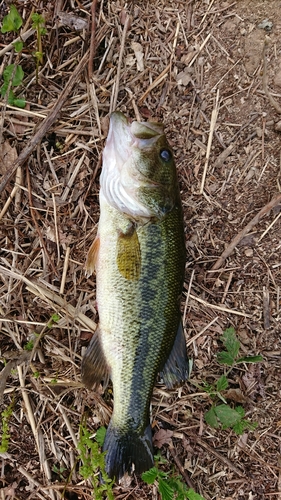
(138, 174)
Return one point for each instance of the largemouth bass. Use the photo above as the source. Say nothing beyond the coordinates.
(139, 259)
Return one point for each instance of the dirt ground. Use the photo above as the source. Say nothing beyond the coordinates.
(211, 72)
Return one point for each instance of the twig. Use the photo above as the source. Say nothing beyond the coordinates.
(227, 287)
(32, 211)
(223, 459)
(190, 341)
(31, 479)
(275, 201)
(246, 125)
(266, 308)
(28, 407)
(53, 300)
(13, 193)
(21, 38)
(154, 84)
(264, 80)
(68, 425)
(93, 40)
(212, 128)
(180, 467)
(23, 357)
(65, 267)
(219, 308)
(222, 157)
(269, 227)
(46, 124)
(122, 48)
(199, 50)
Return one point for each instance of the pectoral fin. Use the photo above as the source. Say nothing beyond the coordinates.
(92, 256)
(176, 368)
(129, 255)
(94, 367)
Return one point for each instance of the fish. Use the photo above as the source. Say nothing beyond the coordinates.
(139, 259)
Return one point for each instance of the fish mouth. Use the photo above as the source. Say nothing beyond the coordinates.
(125, 134)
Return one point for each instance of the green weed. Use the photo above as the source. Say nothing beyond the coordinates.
(39, 26)
(170, 487)
(221, 414)
(53, 320)
(93, 461)
(6, 414)
(13, 74)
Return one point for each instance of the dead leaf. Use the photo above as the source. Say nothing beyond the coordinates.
(138, 50)
(184, 77)
(72, 21)
(242, 441)
(130, 60)
(8, 156)
(235, 395)
(64, 240)
(164, 436)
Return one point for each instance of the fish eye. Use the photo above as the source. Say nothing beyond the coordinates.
(165, 154)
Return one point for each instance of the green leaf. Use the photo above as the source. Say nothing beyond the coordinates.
(230, 342)
(38, 23)
(39, 56)
(4, 89)
(250, 359)
(18, 46)
(100, 435)
(192, 495)
(54, 319)
(20, 103)
(18, 77)
(240, 410)
(179, 487)
(224, 358)
(240, 427)
(12, 21)
(18, 74)
(222, 383)
(150, 475)
(29, 345)
(166, 491)
(227, 416)
(211, 418)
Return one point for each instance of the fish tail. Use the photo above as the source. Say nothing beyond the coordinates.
(127, 452)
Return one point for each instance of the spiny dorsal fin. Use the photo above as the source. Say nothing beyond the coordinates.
(129, 255)
(92, 256)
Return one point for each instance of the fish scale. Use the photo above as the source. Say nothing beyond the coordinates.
(139, 263)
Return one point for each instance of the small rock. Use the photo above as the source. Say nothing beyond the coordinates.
(278, 126)
(265, 25)
(249, 252)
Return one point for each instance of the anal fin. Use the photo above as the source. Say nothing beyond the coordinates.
(94, 367)
(176, 368)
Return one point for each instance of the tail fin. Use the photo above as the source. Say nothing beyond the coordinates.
(127, 452)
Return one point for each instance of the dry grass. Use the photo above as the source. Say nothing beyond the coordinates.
(196, 66)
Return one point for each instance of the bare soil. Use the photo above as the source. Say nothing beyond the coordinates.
(211, 73)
